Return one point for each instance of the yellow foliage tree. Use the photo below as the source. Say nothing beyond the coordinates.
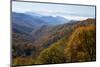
(53, 54)
(82, 45)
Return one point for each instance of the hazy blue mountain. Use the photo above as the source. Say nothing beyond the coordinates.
(24, 23)
(51, 20)
(33, 19)
(54, 20)
(21, 29)
(33, 14)
(27, 22)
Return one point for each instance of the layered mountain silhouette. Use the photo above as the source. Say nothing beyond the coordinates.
(32, 21)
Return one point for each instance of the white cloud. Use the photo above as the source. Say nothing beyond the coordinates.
(76, 17)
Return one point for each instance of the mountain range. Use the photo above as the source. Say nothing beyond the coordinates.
(33, 33)
(32, 21)
(39, 29)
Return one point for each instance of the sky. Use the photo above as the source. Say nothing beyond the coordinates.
(68, 11)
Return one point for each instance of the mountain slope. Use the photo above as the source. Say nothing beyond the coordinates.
(45, 36)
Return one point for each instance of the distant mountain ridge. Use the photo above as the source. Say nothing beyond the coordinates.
(43, 18)
(33, 21)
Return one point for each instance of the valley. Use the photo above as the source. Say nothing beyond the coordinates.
(37, 38)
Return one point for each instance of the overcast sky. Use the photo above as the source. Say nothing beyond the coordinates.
(68, 11)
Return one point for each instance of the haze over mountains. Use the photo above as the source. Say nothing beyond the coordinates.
(40, 18)
(33, 33)
(37, 26)
(34, 21)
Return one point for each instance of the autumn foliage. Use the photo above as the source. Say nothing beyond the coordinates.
(70, 42)
(53, 54)
(81, 46)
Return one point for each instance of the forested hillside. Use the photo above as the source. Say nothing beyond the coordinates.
(73, 41)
